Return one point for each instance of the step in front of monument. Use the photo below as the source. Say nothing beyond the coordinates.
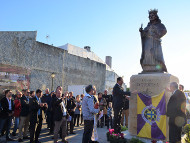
(128, 136)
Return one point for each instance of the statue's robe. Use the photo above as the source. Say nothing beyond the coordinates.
(152, 59)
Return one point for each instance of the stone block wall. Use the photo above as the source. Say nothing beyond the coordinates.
(22, 50)
(15, 47)
(83, 71)
(111, 78)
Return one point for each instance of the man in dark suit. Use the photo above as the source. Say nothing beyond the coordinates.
(24, 115)
(176, 111)
(53, 97)
(60, 115)
(71, 110)
(118, 103)
(7, 113)
(46, 98)
(36, 115)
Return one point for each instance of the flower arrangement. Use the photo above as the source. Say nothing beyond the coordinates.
(115, 138)
(111, 131)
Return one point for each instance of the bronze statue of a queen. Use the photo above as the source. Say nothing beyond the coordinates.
(152, 59)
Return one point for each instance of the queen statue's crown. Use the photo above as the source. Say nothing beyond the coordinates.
(155, 11)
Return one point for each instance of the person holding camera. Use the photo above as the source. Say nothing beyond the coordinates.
(60, 116)
(24, 115)
(36, 108)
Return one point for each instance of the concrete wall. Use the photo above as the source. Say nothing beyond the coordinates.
(111, 78)
(21, 49)
(47, 60)
(82, 71)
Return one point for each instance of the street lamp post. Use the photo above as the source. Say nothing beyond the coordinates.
(52, 77)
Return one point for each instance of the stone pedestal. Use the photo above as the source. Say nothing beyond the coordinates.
(149, 84)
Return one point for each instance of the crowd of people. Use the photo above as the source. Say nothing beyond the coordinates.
(26, 110)
(23, 113)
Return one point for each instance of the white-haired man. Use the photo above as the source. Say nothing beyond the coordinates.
(176, 111)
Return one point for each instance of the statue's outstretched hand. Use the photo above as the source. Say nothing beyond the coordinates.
(141, 29)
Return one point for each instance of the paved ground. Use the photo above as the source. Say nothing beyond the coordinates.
(77, 138)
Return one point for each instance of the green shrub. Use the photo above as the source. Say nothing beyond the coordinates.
(124, 128)
(187, 128)
(187, 132)
(134, 140)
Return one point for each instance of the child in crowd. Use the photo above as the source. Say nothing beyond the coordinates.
(102, 106)
(109, 114)
(77, 110)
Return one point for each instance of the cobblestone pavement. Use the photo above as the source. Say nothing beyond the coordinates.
(77, 138)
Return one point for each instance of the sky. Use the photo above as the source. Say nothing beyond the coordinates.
(109, 27)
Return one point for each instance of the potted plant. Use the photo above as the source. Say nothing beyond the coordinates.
(117, 138)
(109, 133)
(108, 136)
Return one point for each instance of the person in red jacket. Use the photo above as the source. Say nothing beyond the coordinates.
(17, 111)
